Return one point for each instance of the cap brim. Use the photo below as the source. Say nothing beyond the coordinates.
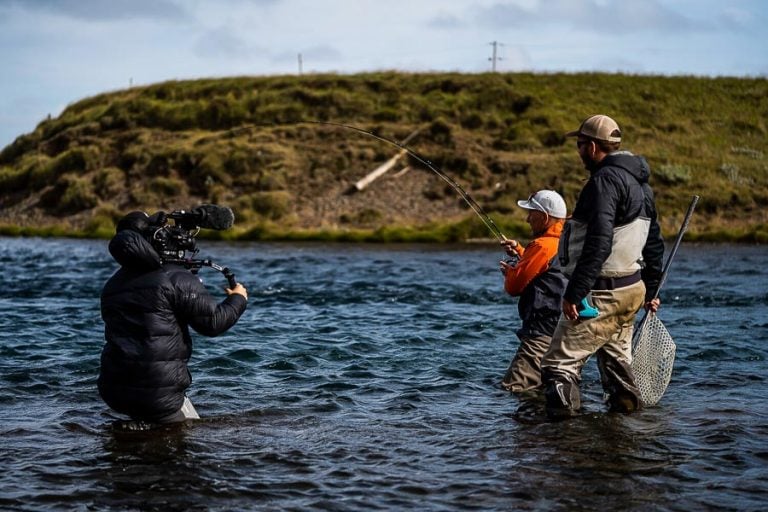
(528, 205)
(574, 133)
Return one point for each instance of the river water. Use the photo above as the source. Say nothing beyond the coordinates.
(366, 377)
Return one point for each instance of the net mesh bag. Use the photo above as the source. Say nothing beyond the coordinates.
(653, 356)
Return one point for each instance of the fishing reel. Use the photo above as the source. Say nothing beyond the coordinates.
(512, 261)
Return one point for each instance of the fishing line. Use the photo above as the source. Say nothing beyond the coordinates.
(464, 195)
(458, 188)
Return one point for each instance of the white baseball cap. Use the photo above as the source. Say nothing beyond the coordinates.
(547, 201)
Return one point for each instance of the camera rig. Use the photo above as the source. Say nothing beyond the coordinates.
(173, 241)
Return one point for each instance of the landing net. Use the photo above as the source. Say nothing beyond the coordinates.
(653, 356)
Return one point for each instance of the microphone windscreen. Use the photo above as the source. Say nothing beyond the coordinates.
(213, 216)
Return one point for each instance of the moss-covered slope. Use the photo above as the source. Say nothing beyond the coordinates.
(253, 143)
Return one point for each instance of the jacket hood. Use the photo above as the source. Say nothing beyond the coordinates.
(133, 251)
(554, 231)
(633, 164)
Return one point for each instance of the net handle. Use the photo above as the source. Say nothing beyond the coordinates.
(665, 269)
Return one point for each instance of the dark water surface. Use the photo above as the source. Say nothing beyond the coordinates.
(365, 378)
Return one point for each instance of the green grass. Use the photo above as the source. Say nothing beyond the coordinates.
(252, 143)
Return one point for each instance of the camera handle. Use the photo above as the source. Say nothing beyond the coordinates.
(224, 270)
(206, 263)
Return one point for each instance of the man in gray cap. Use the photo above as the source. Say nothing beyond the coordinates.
(611, 250)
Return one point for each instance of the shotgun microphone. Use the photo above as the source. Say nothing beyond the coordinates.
(208, 216)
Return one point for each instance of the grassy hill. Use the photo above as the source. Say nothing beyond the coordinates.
(252, 143)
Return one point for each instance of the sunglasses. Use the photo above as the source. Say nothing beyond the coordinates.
(580, 143)
(538, 205)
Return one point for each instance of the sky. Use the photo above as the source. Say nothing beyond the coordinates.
(57, 52)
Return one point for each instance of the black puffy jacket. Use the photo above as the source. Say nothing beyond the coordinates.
(147, 310)
(616, 193)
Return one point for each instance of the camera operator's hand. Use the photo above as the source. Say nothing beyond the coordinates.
(239, 289)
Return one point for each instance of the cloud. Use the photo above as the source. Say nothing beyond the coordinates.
(736, 18)
(221, 43)
(610, 17)
(646, 15)
(103, 10)
(446, 21)
(506, 15)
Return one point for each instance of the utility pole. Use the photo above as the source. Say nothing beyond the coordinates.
(300, 65)
(494, 58)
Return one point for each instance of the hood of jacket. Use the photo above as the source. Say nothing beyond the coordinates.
(131, 250)
(555, 230)
(633, 164)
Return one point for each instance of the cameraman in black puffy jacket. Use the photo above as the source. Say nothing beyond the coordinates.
(148, 308)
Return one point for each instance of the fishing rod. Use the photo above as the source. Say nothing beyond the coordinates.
(401, 145)
(464, 195)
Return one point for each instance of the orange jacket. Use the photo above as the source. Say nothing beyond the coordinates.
(534, 260)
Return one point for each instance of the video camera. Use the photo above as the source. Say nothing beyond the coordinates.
(173, 241)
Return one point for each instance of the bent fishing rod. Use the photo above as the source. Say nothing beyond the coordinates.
(494, 229)
(458, 188)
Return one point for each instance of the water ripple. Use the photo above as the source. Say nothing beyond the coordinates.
(367, 378)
